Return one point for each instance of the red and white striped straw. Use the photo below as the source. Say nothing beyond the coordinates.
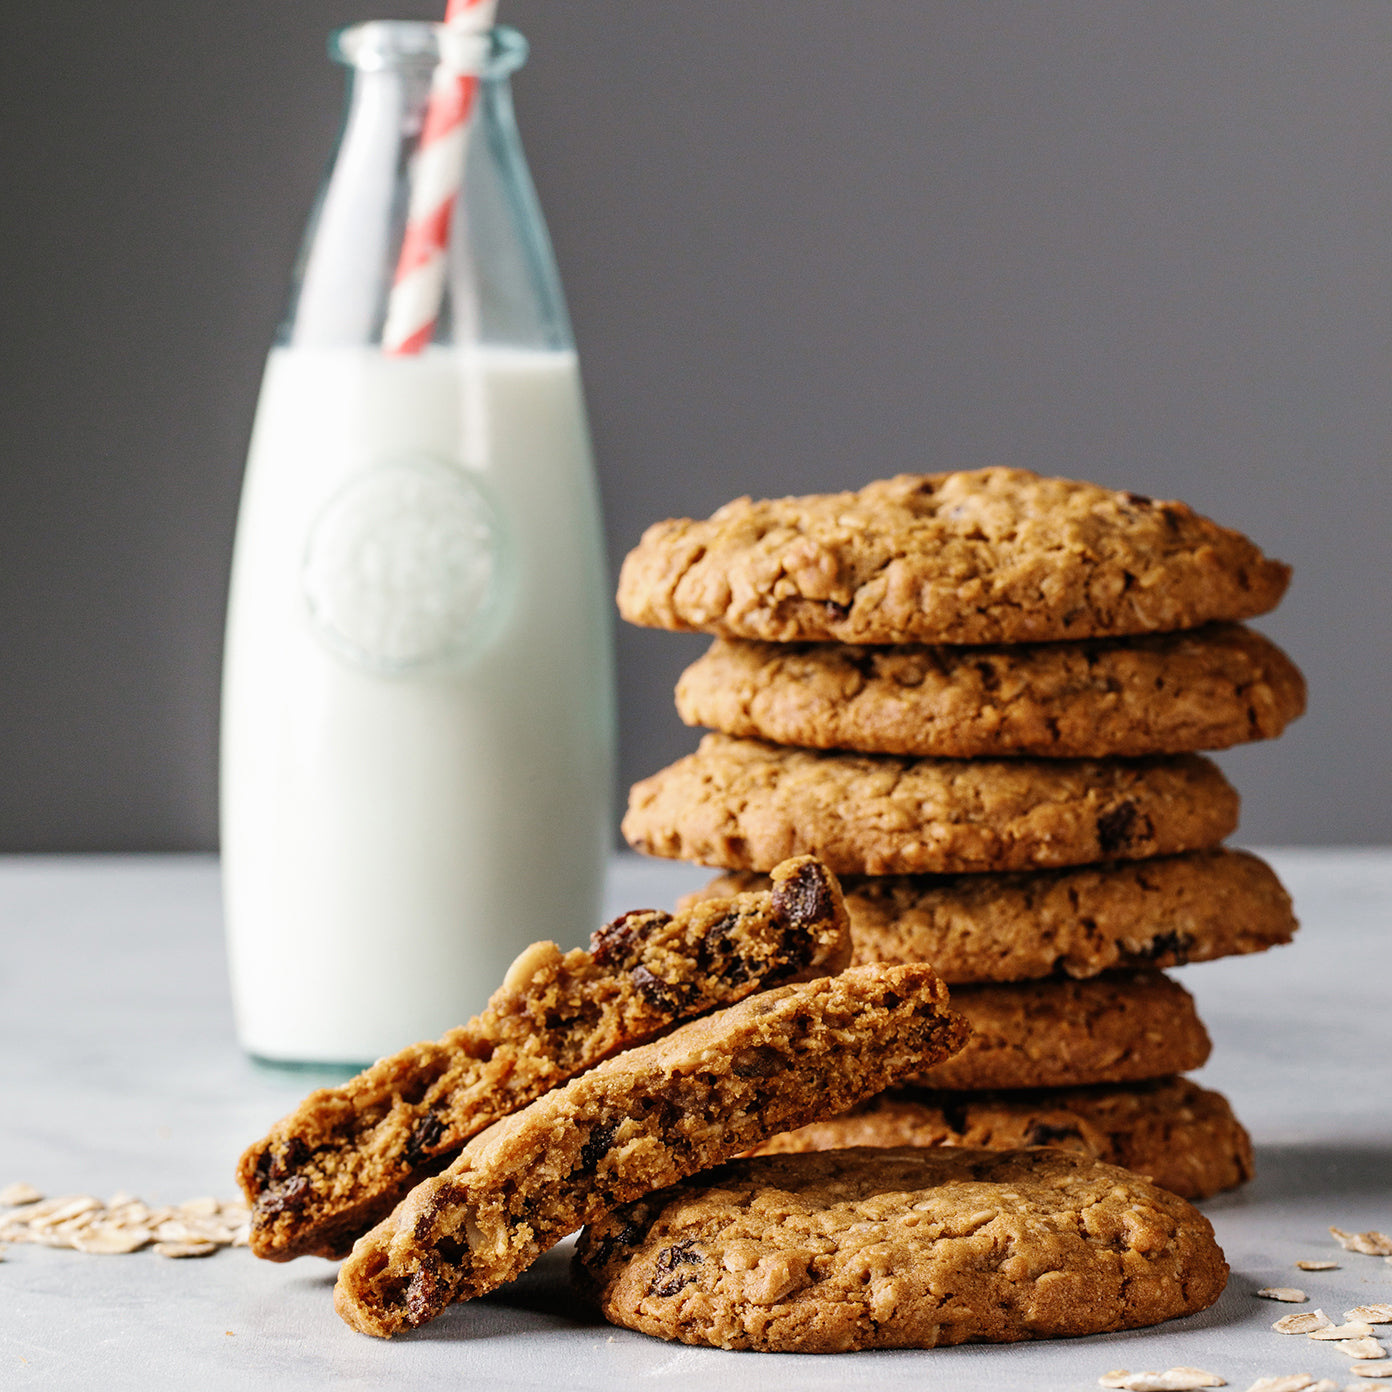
(436, 172)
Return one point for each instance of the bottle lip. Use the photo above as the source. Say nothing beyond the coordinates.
(381, 44)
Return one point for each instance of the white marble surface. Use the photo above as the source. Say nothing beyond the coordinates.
(120, 1072)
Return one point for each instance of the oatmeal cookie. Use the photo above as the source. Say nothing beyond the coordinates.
(1168, 1130)
(1077, 922)
(901, 1248)
(983, 556)
(1115, 1028)
(745, 805)
(1168, 693)
(342, 1160)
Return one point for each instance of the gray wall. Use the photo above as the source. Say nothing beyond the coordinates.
(806, 244)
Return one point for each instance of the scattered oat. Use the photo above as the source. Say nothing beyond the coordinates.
(1289, 1294)
(186, 1249)
(1366, 1347)
(1370, 1244)
(125, 1224)
(69, 1209)
(1354, 1329)
(1171, 1380)
(1290, 1382)
(1306, 1322)
(1323, 1385)
(1317, 1265)
(107, 1239)
(1372, 1370)
(1379, 1313)
(13, 1195)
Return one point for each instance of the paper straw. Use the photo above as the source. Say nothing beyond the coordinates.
(436, 173)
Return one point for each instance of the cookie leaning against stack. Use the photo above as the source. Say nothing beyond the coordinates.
(980, 697)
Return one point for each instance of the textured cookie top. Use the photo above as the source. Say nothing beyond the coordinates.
(642, 1119)
(338, 1163)
(851, 1249)
(987, 556)
(1116, 1028)
(1163, 694)
(1015, 927)
(746, 805)
(1170, 1131)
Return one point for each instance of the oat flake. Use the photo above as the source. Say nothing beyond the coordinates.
(1171, 1380)
(1361, 1348)
(1306, 1322)
(1370, 1244)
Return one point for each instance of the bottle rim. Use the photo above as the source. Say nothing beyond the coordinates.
(380, 44)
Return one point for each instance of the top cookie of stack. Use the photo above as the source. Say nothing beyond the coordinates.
(984, 556)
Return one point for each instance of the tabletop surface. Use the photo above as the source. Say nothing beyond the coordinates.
(121, 1073)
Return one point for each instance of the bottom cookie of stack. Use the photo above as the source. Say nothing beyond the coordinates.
(1180, 1136)
(899, 1248)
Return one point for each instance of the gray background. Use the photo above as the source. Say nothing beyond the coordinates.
(805, 244)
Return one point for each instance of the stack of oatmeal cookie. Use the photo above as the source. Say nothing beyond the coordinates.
(978, 698)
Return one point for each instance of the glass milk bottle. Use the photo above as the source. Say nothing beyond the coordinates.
(417, 737)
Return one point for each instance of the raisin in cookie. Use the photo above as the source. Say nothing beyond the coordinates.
(746, 805)
(984, 556)
(346, 1155)
(1167, 694)
(856, 1249)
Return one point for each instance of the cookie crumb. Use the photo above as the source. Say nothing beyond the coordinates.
(1369, 1244)
(1289, 1294)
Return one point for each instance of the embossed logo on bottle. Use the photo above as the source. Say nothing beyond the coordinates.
(403, 566)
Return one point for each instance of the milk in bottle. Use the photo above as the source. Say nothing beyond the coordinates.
(417, 704)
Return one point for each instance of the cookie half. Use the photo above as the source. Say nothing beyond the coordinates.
(1116, 1028)
(1167, 694)
(643, 1119)
(344, 1158)
(746, 805)
(1169, 1130)
(983, 556)
(903, 1248)
(1078, 922)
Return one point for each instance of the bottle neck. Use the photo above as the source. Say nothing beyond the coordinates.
(501, 286)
